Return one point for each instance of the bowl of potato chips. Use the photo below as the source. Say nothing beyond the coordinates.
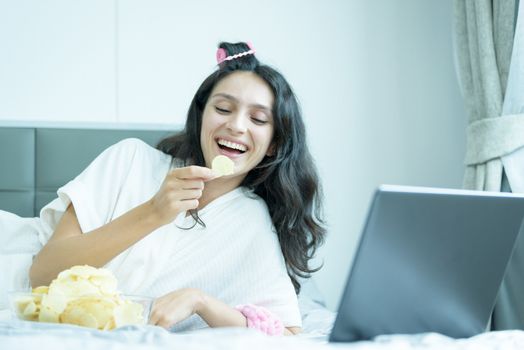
(83, 296)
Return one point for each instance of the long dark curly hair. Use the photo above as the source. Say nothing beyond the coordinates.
(287, 180)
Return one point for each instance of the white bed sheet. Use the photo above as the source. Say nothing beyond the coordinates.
(317, 322)
(28, 335)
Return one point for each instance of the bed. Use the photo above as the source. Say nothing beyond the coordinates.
(38, 158)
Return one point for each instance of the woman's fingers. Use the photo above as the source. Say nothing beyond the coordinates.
(194, 172)
(175, 184)
(189, 204)
(189, 194)
(191, 184)
(174, 307)
(181, 190)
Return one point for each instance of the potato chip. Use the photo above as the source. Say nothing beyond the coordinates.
(78, 316)
(128, 313)
(30, 309)
(106, 284)
(93, 312)
(48, 315)
(22, 302)
(76, 272)
(28, 305)
(73, 288)
(41, 290)
(54, 302)
(30, 312)
(223, 165)
(84, 280)
(109, 325)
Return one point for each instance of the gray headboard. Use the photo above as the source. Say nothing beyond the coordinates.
(36, 161)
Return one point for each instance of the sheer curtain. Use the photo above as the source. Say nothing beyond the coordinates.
(484, 31)
(514, 107)
(509, 311)
(489, 48)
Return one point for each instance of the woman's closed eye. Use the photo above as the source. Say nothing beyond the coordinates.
(222, 110)
(258, 121)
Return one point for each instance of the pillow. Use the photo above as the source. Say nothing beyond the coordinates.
(18, 245)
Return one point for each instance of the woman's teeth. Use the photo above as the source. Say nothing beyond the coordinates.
(232, 145)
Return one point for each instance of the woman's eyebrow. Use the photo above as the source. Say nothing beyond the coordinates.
(234, 99)
(227, 96)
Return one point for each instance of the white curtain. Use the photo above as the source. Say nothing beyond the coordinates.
(489, 43)
(514, 108)
(484, 32)
(509, 311)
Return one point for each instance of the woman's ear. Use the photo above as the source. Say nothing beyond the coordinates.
(271, 150)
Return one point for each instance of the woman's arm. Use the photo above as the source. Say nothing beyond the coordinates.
(218, 314)
(176, 306)
(68, 246)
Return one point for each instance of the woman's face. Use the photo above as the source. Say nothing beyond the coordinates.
(237, 122)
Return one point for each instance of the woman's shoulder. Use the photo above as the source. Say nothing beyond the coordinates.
(130, 156)
(133, 144)
(136, 148)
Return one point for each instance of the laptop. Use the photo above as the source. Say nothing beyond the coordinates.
(429, 260)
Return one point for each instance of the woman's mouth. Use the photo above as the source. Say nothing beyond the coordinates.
(230, 148)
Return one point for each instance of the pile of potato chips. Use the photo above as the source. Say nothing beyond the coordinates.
(84, 296)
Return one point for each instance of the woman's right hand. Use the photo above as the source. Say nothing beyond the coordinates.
(69, 246)
(180, 192)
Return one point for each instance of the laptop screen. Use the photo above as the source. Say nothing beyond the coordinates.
(429, 260)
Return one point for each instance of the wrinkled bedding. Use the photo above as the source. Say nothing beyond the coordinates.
(22, 335)
(19, 243)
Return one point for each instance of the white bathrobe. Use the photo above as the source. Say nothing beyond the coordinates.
(235, 258)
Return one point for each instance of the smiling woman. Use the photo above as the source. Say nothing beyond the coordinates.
(213, 250)
(237, 123)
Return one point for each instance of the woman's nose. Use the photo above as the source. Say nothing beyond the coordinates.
(237, 123)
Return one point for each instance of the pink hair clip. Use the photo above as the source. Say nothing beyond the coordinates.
(222, 55)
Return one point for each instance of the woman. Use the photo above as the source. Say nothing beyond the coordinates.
(225, 251)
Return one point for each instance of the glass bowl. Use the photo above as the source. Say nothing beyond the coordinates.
(100, 312)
